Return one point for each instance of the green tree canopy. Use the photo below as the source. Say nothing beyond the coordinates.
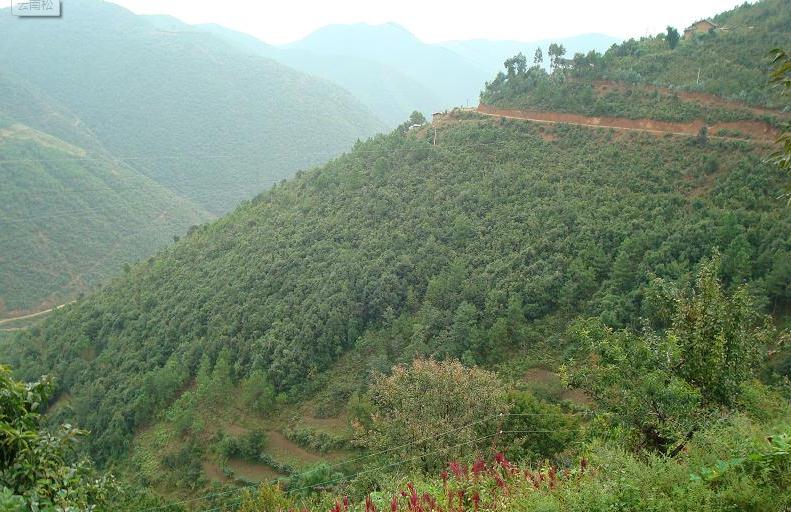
(431, 412)
(39, 468)
(672, 37)
(663, 386)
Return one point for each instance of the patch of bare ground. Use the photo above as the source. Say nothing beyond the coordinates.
(703, 186)
(252, 472)
(235, 430)
(752, 129)
(328, 424)
(547, 135)
(579, 397)
(542, 376)
(213, 472)
(281, 448)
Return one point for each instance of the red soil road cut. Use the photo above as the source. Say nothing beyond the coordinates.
(757, 130)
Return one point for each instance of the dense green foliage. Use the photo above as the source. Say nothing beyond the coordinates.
(780, 77)
(739, 466)
(402, 249)
(39, 468)
(694, 377)
(665, 386)
(422, 402)
(213, 124)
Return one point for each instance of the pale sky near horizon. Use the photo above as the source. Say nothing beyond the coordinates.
(438, 20)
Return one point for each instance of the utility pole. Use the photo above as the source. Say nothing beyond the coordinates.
(435, 136)
(698, 80)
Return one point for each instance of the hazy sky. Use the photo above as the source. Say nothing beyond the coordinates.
(282, 21)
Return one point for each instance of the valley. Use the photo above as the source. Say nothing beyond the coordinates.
(245, 277)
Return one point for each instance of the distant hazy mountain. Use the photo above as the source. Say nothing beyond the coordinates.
(386, 90)
(491, 54)
(189, 110)
(453, 78)
(70, 215)
(389, 69)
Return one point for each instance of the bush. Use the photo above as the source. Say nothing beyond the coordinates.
(248, 446)
(317, 440)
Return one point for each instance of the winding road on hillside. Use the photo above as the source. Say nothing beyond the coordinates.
(753, 131)
(32, 315)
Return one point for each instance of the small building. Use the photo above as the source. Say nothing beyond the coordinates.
(699, 27)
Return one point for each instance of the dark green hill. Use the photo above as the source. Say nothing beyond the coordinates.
(463, 249)
(192, 112)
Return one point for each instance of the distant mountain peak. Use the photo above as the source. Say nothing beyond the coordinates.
(341, 36)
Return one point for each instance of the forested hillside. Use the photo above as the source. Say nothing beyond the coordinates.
(70, 215)
(209, 122)
(479, 313)
(463, 249)
(730, 62)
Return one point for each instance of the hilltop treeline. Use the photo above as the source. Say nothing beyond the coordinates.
(731, 62)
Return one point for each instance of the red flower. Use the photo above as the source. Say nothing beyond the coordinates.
(459, 470)
(478, 467)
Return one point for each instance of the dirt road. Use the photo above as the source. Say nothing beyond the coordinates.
(752, 130)
(32, 315)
